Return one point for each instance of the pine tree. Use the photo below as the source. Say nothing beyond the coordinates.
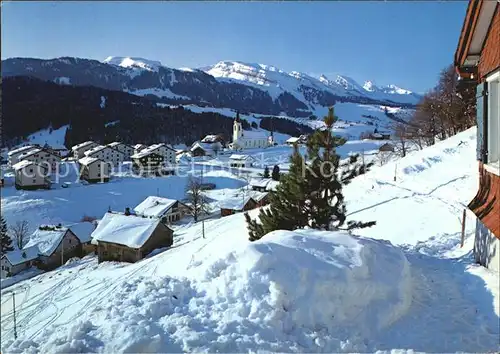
(266, 172)
(286, 209)
(325, 177)
(6, 241)
(276, 173)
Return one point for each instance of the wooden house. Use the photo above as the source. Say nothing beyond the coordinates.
(236, 204)
(83, 231)
(14, 262)
(129, 238)
(168, 210)
(29, 175)
(147, 162)
(261, 198)
(477, 62)
(259, 184)
(94, 170)
(238, 161)
(56, 244)
(168, 153)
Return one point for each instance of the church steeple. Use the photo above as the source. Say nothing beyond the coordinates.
(237, 119)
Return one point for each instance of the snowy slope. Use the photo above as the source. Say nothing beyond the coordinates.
(304, 291)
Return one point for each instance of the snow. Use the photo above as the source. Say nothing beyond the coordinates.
(17, 256)
(134, 62)
(54, 139)
(81, 145)
(259, 182)
(404, 285)
(87, 160)
(62, 80)
(110, 124)
(128, 230)
(47, 241)
(154, 206)
(103, 102)
(257, 196)
(20, 150)
(292, 140)
(22, 164)
(234, 203)
(82, 231)
(157, 92)
(239, 157)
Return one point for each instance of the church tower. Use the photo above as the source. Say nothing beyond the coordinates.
(237, 128)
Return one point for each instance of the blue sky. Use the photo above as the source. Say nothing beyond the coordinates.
(405, 43)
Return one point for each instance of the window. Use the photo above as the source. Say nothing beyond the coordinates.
(493, 122)
(31, 170)
(34, 180)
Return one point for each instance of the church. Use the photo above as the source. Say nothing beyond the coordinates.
(248, 139)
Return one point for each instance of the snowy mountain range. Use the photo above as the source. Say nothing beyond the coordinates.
(255, 88)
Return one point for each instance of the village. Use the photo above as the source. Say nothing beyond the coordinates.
(131, 233)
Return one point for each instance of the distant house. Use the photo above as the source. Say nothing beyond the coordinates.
(80, 149)
(261, 198)
(147, 162)
(13, 155)
(386, 148)
(16, 261)
(29, 175)
(164, 150)
(41, 156)
(259, 184)
(380, 135)
(129, 238)
(168, 210)
(94, 170)
(205, 149)
(127, 150)
(292, 141)
(236, 160)
(56, 244)
(211, 139)
(236, 204)
(83, 231)
(107, 154)
(303, 139)
(139, 147)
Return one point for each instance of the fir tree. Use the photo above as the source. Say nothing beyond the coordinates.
(266, 172)
(325, 176)
(276, 173)
(5, 239)
(287, 209)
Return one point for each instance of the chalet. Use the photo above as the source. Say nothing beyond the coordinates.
(139, 147)
(94, 170)
(386, 148)
(56, 244)
(129, 238)
(29, 175)
(168, 210)
(14, 262)
(259, 184)
(236, 204)
(13, 155)
(292, 141)
(147, 162)
(107, 154)
(236, 160)
(380, 135)
(211, 139)
(83, 231)
(164, 150)
(41, 157)
(80, 149)
(205, 149)
(127, 150)
(260, 198)
(477, 62)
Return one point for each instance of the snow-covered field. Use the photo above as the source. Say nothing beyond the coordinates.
(403, 284)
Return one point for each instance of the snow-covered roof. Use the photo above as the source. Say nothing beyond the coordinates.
(139, 146)
(81, 145)
(257, 196)
(20, 150)
(240, 157)
(252, 134)
(115, 143)
(271, 186)
(82, 230)
(95, 149)
(235, 203)
(47, 240)
(154, 206)
(260, 182)
(292, 140)
(29, 153)
(160, 145)
(87, 160)
(144, 152)
(25, 163)
(204, 146)
(131, 231)
(17, 256)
